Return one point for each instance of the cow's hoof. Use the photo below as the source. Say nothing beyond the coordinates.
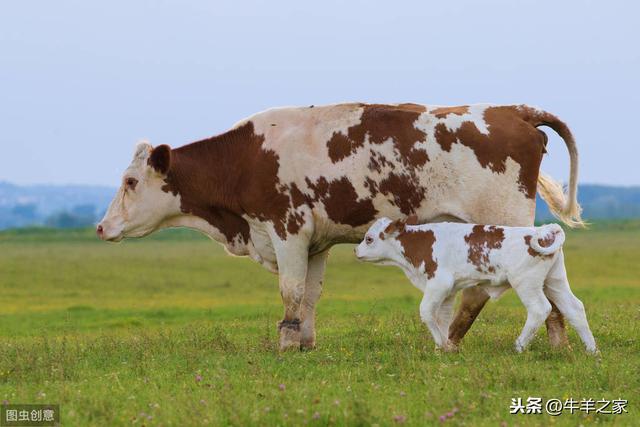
(289, 335)
(308, 343)
(450, 347)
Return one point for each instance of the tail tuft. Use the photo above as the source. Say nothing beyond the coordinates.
(566, 209)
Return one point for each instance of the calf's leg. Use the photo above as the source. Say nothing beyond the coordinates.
(312, 292)
(538, 309)
(445, 316)
(435, 294)
(474, 299)
(558, 291)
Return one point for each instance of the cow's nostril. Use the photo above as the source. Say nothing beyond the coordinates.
(99, 230)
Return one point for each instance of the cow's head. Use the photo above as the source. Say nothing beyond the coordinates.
(141, 205)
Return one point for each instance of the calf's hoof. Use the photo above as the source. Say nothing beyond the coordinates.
(290, 335)
(593, 351)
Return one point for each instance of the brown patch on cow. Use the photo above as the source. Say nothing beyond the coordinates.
(510, 135)
(545, 243)
(418, 248)
(341, 202)
(444, 137)
(405, 192)
(481, 241)
(221, 178)
(418, 157)
(340, 146)
(442, 112)
(377, 161)
(298, 198)
(380, 123)
(295, 222)
(372, 186)
(410, 106)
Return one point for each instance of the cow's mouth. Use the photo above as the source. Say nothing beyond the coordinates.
(114, 239)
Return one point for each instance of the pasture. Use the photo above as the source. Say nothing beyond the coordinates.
(169, 330)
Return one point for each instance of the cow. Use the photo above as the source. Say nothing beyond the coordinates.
(285, 185)
(442, 258)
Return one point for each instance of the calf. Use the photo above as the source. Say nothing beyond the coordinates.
(443, 258)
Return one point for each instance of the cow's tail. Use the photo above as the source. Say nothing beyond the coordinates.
(563, 205)
(548, 239)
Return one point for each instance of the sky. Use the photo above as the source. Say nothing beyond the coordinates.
(81, 82)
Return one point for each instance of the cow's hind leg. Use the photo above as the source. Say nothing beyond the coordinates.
(555, 328)
(473, 299)
(312, 292)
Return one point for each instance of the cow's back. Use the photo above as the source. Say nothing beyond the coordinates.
(352, 163)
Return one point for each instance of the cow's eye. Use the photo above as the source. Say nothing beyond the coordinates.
(368, 240)
(131, 183)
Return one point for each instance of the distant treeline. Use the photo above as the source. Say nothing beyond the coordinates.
(602, 202)
(80, 206)
(66, 206)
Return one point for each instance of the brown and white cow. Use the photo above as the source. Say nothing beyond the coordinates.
(285, 185)
(442, 258)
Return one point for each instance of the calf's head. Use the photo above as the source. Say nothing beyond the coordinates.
(379, 245)
(141, 205)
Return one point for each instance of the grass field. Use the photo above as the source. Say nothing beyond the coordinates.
(170, 330)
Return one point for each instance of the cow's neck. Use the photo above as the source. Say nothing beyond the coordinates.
(208, 175)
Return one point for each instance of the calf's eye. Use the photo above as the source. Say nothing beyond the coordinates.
(131, 183)
(368, 240)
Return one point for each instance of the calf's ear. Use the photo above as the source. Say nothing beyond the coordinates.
(395, 227)
(412, 220)
(160, 159)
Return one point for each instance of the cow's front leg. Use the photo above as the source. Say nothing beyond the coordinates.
(292, 257)
(312, 292)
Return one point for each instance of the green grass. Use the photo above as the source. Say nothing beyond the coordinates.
(172, 328)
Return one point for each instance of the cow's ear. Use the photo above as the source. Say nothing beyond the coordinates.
(412, 220)
(160, 159)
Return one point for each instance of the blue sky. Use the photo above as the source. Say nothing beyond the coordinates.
(81, 82)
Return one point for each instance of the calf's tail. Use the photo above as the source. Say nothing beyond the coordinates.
(548, 239)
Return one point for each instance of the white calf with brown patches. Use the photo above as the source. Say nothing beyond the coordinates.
(441, 259)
